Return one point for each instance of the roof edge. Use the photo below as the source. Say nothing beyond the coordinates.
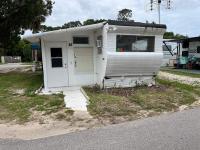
(136, 24)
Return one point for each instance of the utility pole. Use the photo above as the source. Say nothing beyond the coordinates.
(159, 2)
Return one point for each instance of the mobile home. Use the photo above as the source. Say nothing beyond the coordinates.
(109, 54)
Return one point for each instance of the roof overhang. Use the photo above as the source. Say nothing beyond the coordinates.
(192, 39)
(120, 25)
(36, 37)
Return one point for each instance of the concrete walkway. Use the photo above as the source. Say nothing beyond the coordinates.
(75, 99)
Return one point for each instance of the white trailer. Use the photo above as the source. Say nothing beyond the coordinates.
(110, 54)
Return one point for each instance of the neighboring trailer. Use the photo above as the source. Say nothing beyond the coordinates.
(110, 54)
(169, 57)
(187, 52)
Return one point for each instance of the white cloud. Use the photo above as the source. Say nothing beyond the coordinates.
(183, 18)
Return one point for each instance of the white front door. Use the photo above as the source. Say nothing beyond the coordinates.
(83, 66)
(57, 64)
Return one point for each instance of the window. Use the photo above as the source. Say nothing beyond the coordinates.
(185, 44)
(185, 53)
(56, 57)
(130, 43)
(80, 40)
(198, 49)
(167, 48)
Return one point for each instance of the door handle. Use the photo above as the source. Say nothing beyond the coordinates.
(65, 65)
(75, 64)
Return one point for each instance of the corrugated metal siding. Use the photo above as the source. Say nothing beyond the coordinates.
(133, 63)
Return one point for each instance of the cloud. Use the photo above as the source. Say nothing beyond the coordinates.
(183, 18)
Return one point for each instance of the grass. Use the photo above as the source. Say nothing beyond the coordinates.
(179, 72)
(166, 96)
(18, 106)
(104, 104)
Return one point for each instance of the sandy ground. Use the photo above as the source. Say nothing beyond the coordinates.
(44, 126)
(179, 78)
(48, 127)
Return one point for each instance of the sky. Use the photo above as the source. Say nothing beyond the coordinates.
(182, 18)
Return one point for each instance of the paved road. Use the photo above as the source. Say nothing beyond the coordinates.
(4, 68)
(177, 131)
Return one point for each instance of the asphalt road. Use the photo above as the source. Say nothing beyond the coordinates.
(5, 68)
(177, 131)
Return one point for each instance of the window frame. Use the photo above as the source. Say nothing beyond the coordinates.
(151, 37)
(78, 36)
(57, 57)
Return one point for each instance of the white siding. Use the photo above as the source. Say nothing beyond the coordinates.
(193, 47)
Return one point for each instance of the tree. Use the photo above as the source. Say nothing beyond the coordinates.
(45, 28)
(124, 15)
(16, 16)
(93, 21)
(72, 24)
(21, 48)
(168, 35)
(171, 35)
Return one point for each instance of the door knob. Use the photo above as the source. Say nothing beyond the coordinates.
(75, 64)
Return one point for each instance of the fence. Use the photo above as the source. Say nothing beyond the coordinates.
(10, 59)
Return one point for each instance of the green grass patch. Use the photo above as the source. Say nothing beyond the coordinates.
(179, 72)
(16, 105)
(104, 104)
(181, 86)
(166, 96)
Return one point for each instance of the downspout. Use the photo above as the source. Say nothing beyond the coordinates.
(104, 54)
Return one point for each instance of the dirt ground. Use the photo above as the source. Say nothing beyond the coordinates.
(48, 126)
(41, 126)
(45, 126)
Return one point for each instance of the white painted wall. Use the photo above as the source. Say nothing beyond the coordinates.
(53, 75)
(109, 62)
(125, 68)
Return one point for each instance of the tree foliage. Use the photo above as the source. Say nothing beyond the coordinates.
(171, 35)
(124, 15)
(21, 48)
(45, 28)
(72, 24)
(19, 15)
(93, 21)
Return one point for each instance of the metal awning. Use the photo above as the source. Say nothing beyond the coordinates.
(36, 37)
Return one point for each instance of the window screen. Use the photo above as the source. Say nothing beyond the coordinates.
(56, 57)
(130, 43)
(80, 40)
(167, 48)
